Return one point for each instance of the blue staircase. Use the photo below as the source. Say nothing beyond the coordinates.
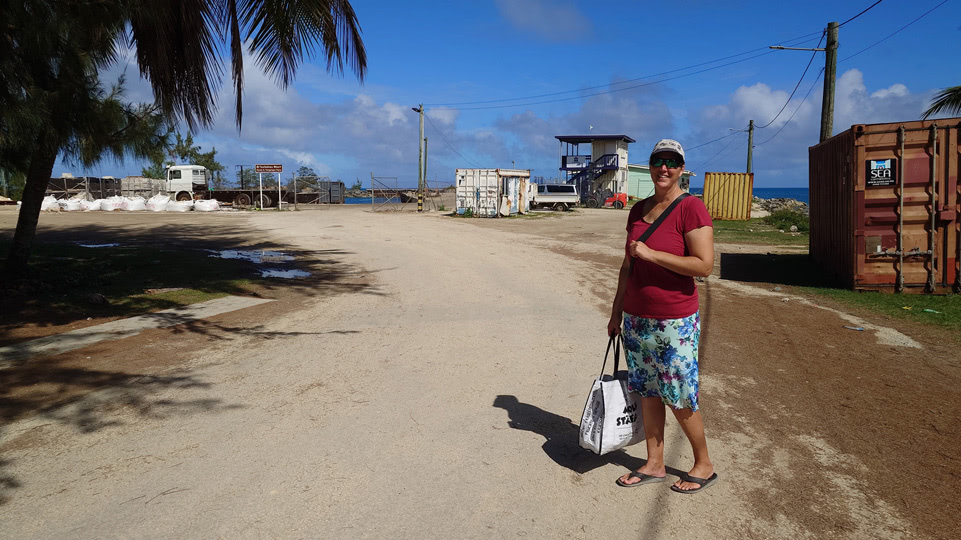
(584, 180)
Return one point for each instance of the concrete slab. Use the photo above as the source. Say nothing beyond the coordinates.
(123, 328)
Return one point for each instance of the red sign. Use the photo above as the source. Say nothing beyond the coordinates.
(269, 168)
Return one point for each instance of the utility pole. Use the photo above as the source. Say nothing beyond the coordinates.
(243, 184)
(830, 73)
(420, 159)
(750, 146)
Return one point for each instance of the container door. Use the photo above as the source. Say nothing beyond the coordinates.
(477, 191)
(916, 247)
(512, 193)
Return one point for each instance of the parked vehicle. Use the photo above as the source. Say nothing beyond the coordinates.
(556, 196)
(617, 201)
(190, 182)
(606, 198)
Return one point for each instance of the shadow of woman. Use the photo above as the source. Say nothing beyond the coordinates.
(562, 437)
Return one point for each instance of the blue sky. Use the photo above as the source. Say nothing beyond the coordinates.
(597, 58)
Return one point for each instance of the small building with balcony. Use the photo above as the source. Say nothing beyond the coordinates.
(596, 164)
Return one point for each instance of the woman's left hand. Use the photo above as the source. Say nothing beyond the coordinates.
(641, 251)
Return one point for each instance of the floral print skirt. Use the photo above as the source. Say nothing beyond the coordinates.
(662, 358)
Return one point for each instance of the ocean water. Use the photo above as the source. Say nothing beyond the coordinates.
(798, 194)
(366, 200)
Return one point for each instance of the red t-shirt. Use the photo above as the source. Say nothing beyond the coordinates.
(654, 291)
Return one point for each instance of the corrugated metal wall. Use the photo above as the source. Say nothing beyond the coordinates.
(729, 195)
(830, 170)
(859, 233)
(477, 190)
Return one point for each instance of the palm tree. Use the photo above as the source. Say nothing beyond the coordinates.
(948, 100)
(51, 97)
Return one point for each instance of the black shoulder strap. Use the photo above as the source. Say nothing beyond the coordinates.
(657, 222)
(660, 219)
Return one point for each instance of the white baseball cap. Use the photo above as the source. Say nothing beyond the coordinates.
(668, 145)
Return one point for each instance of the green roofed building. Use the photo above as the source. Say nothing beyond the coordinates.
(640, 185)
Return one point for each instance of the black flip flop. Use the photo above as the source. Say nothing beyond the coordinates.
(644, 479)
(704, 483)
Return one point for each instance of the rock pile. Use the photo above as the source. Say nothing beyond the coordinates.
(773, 205)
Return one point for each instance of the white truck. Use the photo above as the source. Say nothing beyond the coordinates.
(186, 182)
(182, 183)
(556, 196)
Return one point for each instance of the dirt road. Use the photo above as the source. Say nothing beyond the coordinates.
(429, 386)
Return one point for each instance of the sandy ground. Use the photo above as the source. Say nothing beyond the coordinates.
(427, 383)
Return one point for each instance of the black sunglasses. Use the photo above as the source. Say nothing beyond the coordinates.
(671, 163)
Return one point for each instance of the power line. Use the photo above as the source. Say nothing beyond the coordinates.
(726, 146)
(895, 32)
(796, 86)
(600, 93)
(689, 148)
(859, 14)
(738, 147)
(442, 136)
(816, 79)
(440, 105)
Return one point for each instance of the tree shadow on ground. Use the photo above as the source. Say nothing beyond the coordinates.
(777, 268)
(51, 391)
(64, 274)
(561, 436)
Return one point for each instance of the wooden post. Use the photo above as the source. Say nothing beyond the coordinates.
(830, 74)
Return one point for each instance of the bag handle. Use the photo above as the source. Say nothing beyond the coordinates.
(657, 222)
(616, 342)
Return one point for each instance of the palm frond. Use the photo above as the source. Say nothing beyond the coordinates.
(948, 100)
(236, 58)
(176, 44)
(282, 32)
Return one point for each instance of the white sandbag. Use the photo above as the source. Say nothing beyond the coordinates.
(158, 203)
(90, 206)
(207, 206)
(49, 203)
(111, 203)
(180, 206)
(70, 205)
(134, 204)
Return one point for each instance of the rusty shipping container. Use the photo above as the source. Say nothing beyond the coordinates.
(729, 195)
(884, 206)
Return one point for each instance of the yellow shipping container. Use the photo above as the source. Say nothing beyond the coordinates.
(729, 195)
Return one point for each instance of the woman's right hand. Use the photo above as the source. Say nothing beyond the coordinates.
(614, 326)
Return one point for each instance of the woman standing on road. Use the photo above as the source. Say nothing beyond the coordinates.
(657, 301)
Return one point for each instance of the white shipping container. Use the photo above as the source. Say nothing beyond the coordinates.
(489, 192)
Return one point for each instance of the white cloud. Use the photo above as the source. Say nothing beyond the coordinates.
(553, 20)
(783, 159)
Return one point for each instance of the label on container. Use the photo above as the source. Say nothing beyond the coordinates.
(882, 172)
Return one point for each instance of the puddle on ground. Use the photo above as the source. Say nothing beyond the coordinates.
(97, 245)
(284, 273)
(254, 256)
(262, 257)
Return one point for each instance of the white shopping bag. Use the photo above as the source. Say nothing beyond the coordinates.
(612, 415)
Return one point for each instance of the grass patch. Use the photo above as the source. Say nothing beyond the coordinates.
(756, 231)
(64, 277)
(785, 219)
(944, 311)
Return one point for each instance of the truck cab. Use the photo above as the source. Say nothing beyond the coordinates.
(185, 180)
